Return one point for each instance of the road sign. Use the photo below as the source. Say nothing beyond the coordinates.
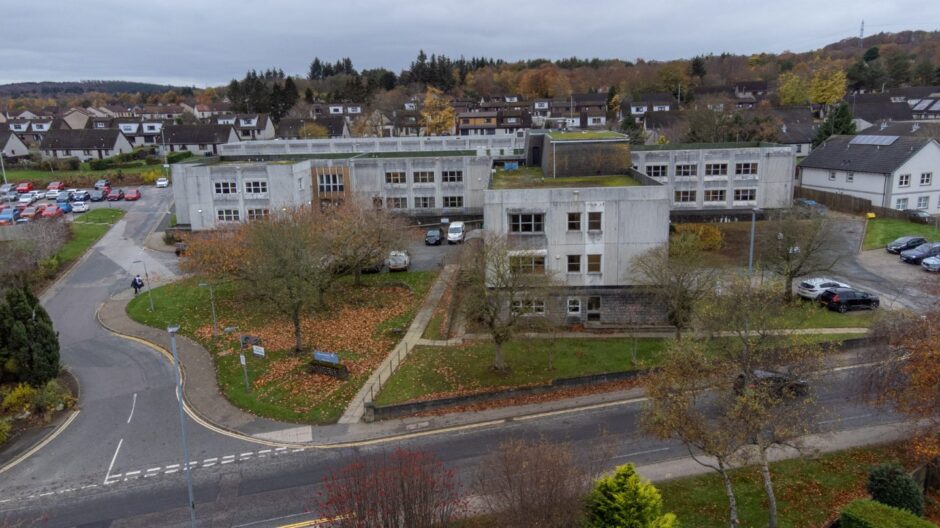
(257, 350)
(241, 359)
(326, 357)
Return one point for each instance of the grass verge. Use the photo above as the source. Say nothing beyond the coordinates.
(87, 230)
(880, 231)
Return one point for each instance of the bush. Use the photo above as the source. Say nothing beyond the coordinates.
(150, 176)
(890, 484)
(170, 238)
(51, 396)
(872, 514)
(101, 164)
(625, 500)
(709, 236)
(5, 428)
(152, 160)
(19, 400)
(174, 157)
(48, 267)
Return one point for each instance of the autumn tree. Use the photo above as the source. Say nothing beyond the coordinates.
(792, 89)
(676, 277)
(793, 246)
(502, 288)
(313, 130)
(924, 72)
(544, 81)
(437, 115)
(827, 86)
(365, 236)
(898, 64)
(633, 130)
(674, 78)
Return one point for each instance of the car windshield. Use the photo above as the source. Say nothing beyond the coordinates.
(455, 229)
(433, 232)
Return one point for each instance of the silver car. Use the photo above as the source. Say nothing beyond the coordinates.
(398, 261)
(812, 288)
(931, 264)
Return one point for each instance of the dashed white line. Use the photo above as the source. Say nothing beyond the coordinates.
(171, 466)
(133, 406)
(213, 459)
(154, 469)
(281, 449)
(248, 454)
(167, 472)
(46, 493)
(228, 461)
(638, 453)
(264, 451)
(132, 473)
(208, 464)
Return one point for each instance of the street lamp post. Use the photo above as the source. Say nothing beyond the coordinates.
(146, 276)
(172, 330)
(215, 320)
(3, 169)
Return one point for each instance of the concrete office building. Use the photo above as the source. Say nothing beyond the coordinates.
(502, 145)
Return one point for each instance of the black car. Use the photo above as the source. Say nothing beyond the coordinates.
(97, 195)
(844, 299)
(918, 216)
(916, 255)
(779, 384)
(103, 182)
(904, 243)
(433, 237)
(80, 196)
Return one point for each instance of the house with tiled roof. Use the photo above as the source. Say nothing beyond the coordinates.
(201, 140)
(11, 146)
(84, 144)
(891, 171)
(871, 109)
(248, 126)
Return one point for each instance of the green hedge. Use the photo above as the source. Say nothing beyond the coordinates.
(871, 514)
(173, 157)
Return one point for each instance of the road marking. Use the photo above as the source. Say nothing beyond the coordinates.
(133, 405)
(228, 461)
(131, 473)
(111, 466)
(208, 464)
(42, 444)
(151, 470)
(213, 459)
(264, 451)
(167, 472)
(171, 466)
(638, 453)
(579, 409)
(248, 454)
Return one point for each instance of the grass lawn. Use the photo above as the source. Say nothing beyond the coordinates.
(356, 326)
(532, 177)
(809, 491)
(86, 230)
(806, 314)
(883, 230)
(78, 178)
(433, 330)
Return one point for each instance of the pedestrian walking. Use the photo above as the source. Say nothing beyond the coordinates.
(137, 284)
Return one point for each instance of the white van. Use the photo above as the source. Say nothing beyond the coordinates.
(455, 233)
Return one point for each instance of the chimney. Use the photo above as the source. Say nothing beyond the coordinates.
(784, 128)
(915, 127)
(884, 125)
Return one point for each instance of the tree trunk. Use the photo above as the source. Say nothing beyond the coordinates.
(499, 360)
(295, 317)
(768, 488)
(732, 502)
(788, 289)
(678, 333)
(357, 277)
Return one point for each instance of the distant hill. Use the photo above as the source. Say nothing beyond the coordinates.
(55, 89)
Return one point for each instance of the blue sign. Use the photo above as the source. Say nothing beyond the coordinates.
(326, 357)
(511, 165)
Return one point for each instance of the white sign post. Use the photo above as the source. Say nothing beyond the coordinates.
(241, 359)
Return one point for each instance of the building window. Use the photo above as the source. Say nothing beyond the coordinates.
(745, 169)
(397, 202)
(904, 180)
(453, 201)
(900, 203)
(257, 214)
(686, 170)
(574, 221)
(203, 146)
(86, 152)
(923, 202)
(452, 176)
(715, 195)
(594, 309)
(716, 169)
(527, 223)
(849, 177)
(395, 177)
(256, 187)
(745, 195)
(424, 177)
(574, 306)
(424, 202)
(574, 263)
(529, 307)
(832, 175)
(685, 196)
(528, 264)
(926, 178)
(327, 183)
(657, 171)
(227, 215)
(225, 187)
(594, 221)
(594, 263)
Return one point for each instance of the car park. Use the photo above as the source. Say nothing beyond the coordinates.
(30, 212)
(398, 261)
(6, 187)
(26, 199)
(24, 187)
(433, 237)
(456, 232)
(11, 196)
(79, 195)
(812, 288)
(38, 195)
(80, 207)
(116, 196)
(918, 216)
(52, 194)
(66, 207)
(846, 299)
(779, 384)
(103, 182)
(931, 263)
(132, 196)
(9, 216)
(58, 186)
(97, 195)
(162, 182)
(51, 212)
(916, 255)
(63, 197)
(904, 243)
(23, 221)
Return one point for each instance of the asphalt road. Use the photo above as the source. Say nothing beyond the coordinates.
(117, 464)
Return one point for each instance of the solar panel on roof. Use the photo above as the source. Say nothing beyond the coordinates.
(923, 104)
(935, 107)
(873, 140)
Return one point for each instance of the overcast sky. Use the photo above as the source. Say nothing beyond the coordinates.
(208, 42)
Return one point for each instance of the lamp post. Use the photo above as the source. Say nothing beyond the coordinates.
(172, 330)
(750, 254)
(215, 320)
(2, 168)
(146, 276)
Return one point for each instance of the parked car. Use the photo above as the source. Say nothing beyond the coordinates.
(132, 196)
(80, 207)
(433, 237)
(844, 299)
(63, 197)
(456, 232)
(97, 195)
(163, 182)
(79, 195)
(398, 261)
(7, 187)
(9, 216)
(812, 288)
(11, 196)
(52, 194)
(931, 263)
(904, 243)
(914, 256)
(779, 384)
(38, 195)
(115, 196)
(26, 199)
(808, 207)
(66, 207)
(918, 216)
(23, 221)
(30, 212)
(51, 212)
(103, 182)
(24, 187)
(58, 186)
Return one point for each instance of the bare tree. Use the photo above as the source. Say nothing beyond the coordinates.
(502, 288)
(794, 246)
(676, 277)
(35, 244)
(366, 235)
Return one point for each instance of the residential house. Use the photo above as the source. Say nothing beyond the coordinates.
(119, 110)
(407, 123)
(76, 118)
(798, 128)
(170, 111)
(11, 146)
(85, 144)
(651, 102)
(750, 89)
(199, 139)
(907, 128)
(869, 109)
(890, 171)
(140, 131)
(292, 128)
(499, 122)
(248, 126)
(32, 131)
(205, 111)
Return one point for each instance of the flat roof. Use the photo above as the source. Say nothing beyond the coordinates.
(705, 146)
(532, 178)
(585, 135)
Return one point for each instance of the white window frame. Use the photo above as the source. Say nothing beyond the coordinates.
(926, 178)
(751, 191)
(849, 177)
(227, 215)
(923, 202)
(395, 177)
(901, 204)
(422, 176)
(257, 214)
(659, 168)
(453, 202)
(904, 180)
(529, 307)
(594, 314)
(573, 306)
(746, 168)
(256, 186)
(595, 217)
(600, 263)
(715, 192)
(225, 187)
(574, 218)
(832, 175)
(686, 170)
(716, 169)
(396, 202)
(569, 261)
(330, 183)
(527, 264)
(452, 176)
(424, 202)
(533, 220)
(685, 196)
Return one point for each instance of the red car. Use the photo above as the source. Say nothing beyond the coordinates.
(52, 212)
(131, 196)
(114, 196)
(24, 187)
(30, 212)
(58, 186)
